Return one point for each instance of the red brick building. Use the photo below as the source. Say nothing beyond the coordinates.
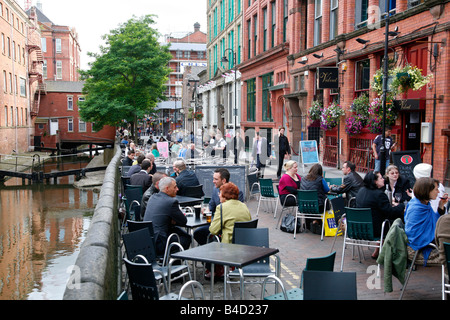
(349, 35)
(59, 121)
(20, 76)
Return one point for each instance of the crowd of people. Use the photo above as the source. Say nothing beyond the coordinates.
(422, 207)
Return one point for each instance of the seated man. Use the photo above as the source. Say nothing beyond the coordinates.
(185, 178)
(127, 161)
(220, 177)
(164, 211)
(154, 188)
(352, 181)
(151, 157)
(142, 178)
(135, 168)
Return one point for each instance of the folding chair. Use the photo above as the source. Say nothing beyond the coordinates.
(253, 184)
(267, 194)
(139, 245)
(446, 286)
(284, 207)
(133, 196)
(259, 269)
(359, 231)
(326, 285)
(308, 207)
(143, 283)
(413, 262)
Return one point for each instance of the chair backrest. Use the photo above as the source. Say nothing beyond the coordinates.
(133, 193)
(138, 225)
(338, 206)
(359, 223)
(253, 237)
(142, 281)
(252, 179)
(335, 181)
(244, 224)
(266, 187)
(328, 285)
(447, 255)
(308, 201)
(139, 242)
(194, 191)
(321, 263)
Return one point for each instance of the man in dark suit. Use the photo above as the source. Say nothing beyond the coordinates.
(185, 178)
(261, 152)
(142, 178)
(164, 211)
(352, 181)
(283, 150)
(135, 168)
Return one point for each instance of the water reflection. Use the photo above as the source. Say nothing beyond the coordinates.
(41, 229)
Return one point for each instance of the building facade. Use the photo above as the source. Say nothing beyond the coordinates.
(21, 68)
(350, 36)
(220, 86)
(188, 50)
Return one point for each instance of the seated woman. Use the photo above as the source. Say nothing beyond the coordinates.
(420, 218)
(314, 181)
(155, 150)
(395, 183)
(372, 196)
(227, 213)
(289, 184)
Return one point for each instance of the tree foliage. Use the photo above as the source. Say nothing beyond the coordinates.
(127, 77)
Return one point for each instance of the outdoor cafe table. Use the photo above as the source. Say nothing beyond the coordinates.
(227, 254)
(188, 201)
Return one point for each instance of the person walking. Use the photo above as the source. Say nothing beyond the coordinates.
(284, 150)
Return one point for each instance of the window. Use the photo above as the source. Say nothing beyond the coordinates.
(361, 13)
(10, 83)
(5, 81)
(317, 22)
(362, 75)
(230, 10)
(255, 33)
(59, 69)
(222, 15)
(69, 102)
(81, 126)
(249, 39)
(266, 24)
(239, 48)
(274, 22)
(44, 69)
(334, 16)
(266, 107)
(8, 46)
(187, 54)
(3, 43)
(70, 124)
(54, 127)
(6, 116)
(58, 47)
(14, 50)
(285, 19)
(251, 100)
(23, 87)
(44, 44)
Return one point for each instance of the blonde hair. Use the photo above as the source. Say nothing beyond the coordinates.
(288, 165)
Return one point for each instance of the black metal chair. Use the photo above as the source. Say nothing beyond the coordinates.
(194, 191)
(143, 283)
(328, 285)
(260, 269)
(253, 184)
(244, 224)
(139, 245)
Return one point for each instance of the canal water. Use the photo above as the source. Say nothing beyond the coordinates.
(42, 227)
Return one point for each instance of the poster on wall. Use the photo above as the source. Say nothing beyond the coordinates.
(309, 152)
(163, 148)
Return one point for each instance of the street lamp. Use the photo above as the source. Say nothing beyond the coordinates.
(224, 59)
(383, 154)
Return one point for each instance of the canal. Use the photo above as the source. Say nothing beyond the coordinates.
(42, 227)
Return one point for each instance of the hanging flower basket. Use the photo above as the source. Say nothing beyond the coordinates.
(354, 125)
(198, 115)
(315, 112)
(331, 116)
(360, 106)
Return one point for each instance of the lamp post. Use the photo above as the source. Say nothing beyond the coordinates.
(224, 59)
(383, 153)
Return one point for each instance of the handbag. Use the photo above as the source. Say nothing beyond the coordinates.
(288, 224)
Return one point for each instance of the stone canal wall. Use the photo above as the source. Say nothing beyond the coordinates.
(95, 274)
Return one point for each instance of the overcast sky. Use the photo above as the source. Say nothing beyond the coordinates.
(94, 18)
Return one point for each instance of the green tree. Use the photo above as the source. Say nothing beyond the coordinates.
(127, 77)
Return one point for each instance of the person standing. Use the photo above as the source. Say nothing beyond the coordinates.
(376, 147)
(284, 150)
(260, 153)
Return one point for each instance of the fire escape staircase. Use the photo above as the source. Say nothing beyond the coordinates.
(36, 75)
